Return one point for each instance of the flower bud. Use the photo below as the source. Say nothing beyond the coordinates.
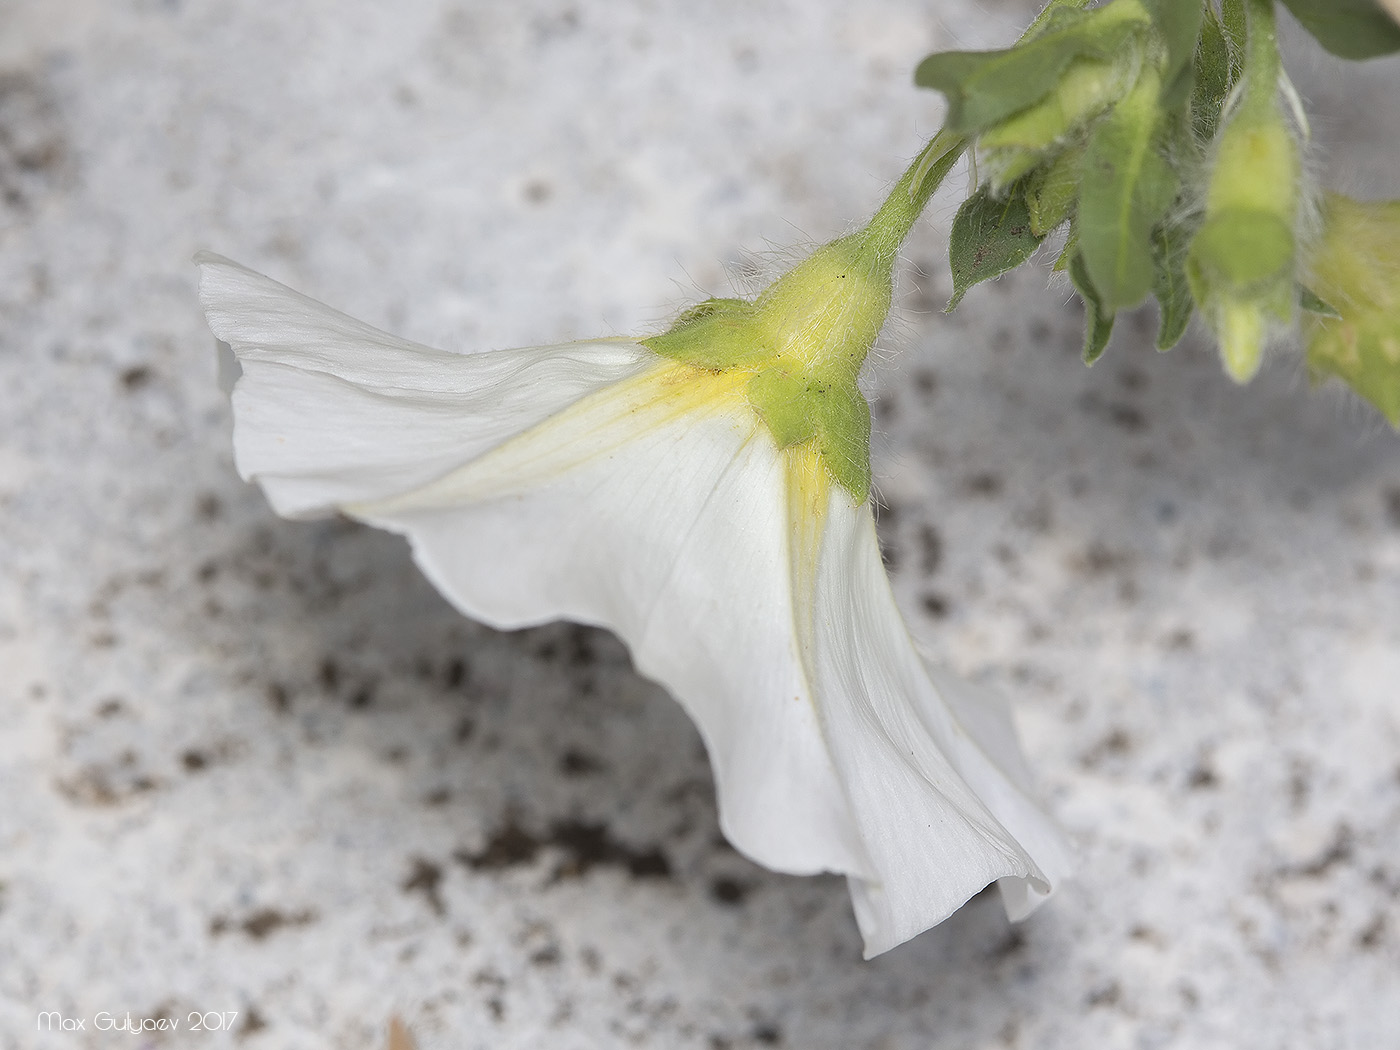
(1087, 88)
(1241, 262)
(1355, 269)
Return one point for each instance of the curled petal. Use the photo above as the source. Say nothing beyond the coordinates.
(330, 410)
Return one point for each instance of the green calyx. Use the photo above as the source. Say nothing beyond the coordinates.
(803, 340)
(807, 334)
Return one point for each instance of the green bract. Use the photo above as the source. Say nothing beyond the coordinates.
(1355, 272)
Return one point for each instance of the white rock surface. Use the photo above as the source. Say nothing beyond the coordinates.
(255, 766)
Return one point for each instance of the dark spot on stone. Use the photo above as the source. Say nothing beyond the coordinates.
(425, 877)
(329, 674)
(935, 605)
(576, 763)
(194, 761)
(1098, 559)
(1115, 744)
(983, 483)
(930, 549)
(278, 698)
(1202, 777)
(591, 845)
(1127, 417)
(581, 649)
(926, 382)
(1011, 944)
(1392, 506)
(263, 923)
(253, 1023)
(1179, 641)
(465, 730)
(438, 797)
(1370, 937)
(208, 507)
(728, 891)
(362, 697)
(767, 1033)
(546, 956)
(1338, 851)
(456, 674)
(497, 1008)
(32, 143)
(509, 846)
(1133, 378)
(110, 708)
(136, 377)
(1105, 995)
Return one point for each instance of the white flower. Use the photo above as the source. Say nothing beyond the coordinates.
(708, 503)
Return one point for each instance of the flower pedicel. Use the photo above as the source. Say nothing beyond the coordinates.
(705, 495)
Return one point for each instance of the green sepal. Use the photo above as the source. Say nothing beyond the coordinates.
(1311, 302)
(1127, 186)
(983, 88)
(1348, 28)
(829, 410)
(1098, 321)
(990, 236)
(1169, 284)
(1052, 189)
(717, 334)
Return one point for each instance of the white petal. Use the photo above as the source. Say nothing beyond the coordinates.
(596, 483)
(930, 766)
(330, 410)
(657, 509)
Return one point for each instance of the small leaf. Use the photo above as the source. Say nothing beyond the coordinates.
(1169, 284)
(1348, 28)
(1233, 22)
(1098, 322)
(1214, 78)
(989, 237)
(1126, 187)
(1179, 23)
(986, 87)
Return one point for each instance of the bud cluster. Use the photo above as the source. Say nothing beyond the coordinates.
(1159, 136)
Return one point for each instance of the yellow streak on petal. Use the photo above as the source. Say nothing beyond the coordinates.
(808, 497)
(598, 425)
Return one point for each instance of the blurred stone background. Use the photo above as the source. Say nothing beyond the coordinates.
(256, 766)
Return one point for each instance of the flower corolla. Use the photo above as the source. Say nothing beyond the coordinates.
(704, 495)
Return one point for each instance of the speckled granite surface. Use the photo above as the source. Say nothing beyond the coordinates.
(255, 766)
